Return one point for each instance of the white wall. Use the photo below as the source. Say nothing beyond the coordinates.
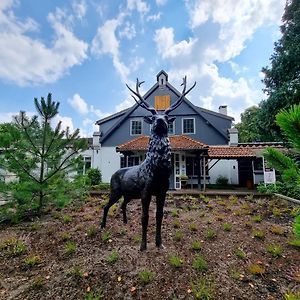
(226, 168)
(109, 162)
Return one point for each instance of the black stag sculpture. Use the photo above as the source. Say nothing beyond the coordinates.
(151, 178)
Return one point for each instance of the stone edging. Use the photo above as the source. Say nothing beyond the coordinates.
(287, 198)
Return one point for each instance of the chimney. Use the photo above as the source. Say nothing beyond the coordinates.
(233, 136)
(223, 109)
(96, 140)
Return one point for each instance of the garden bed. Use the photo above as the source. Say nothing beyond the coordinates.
(215, 248)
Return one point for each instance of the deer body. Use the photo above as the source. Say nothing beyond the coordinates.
(150, 178)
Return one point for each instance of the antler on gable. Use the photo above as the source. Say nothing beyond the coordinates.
(142, 102)
(184, 92)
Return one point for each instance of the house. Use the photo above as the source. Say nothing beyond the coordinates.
(203, 144)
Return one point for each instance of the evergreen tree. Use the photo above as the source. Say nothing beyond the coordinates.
(38, 154)
(282, 78)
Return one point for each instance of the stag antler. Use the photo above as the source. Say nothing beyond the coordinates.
(142, 102)
(178, 102)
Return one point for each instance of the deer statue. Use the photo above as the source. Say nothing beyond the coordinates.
(151, 177)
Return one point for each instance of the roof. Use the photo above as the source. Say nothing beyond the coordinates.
(177, 142)
(126, 113)
(258, 147)
(230, 152)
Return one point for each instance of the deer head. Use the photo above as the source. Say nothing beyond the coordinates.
(159, 121)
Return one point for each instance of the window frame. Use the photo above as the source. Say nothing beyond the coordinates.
(136, 120)
(194, 125)
(173, 132)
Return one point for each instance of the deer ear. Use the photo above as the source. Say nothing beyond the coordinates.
(148, 120)
(171, 119)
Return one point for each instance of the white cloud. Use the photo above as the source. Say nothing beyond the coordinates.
(236, 68)
(38, 63)
(65, 122)
(106, 42)
(128, 31)
(80, 9)
(161, 2)
(79, 104)
(139, 5)
(155, 17)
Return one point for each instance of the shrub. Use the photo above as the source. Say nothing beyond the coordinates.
(176, 261)
(200, 264)
(222, 180)
(203, 289)
(145, 276)
(196, 245)
(94, 176)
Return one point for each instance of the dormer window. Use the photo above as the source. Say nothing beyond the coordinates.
(135, 127)
(162, 78)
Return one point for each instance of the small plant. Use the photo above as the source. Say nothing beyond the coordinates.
(96, 295)
(249, 197)
(76, 272)
(276, 212)
(256, 269)
(91, 231)
(235, 274)
(200, 264)
(13, 247)
(274, 250)
(203, 289)
(88, 217)
(233, 199)
(31, 261)
(123, 231)
(222, 180)
(210, 221)
(227, 227)
(67, 218)
(145, 276)
(112, 257)
(105, 236)
(210, 234)
(37, 283)
(176, 261)
(294, 243)
(70, 248)
(196, 245)
(176, 224)
(193, 227)
(35, 226)
(257, 219)
(65, 236)
(175, 213)
(259, 234)
(94, 176)
(112, 211)
(240, 253)
(278, 230)
(292, 296)
(137, 238)
(178, 235)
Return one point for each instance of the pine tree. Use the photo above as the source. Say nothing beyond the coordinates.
(38, 154)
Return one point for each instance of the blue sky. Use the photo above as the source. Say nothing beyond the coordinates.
(84, 51)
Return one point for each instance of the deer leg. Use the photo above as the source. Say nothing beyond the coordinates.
(112, 200)
(160, 202)
(145, 217)
(124, 204)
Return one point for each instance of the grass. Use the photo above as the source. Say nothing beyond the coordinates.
(257, 218)
(176, 224)
(76, 272)
(178, 235)
(196, 245)
(37, 283)
(96, 295)
(200, 264)
(210, 234)
(112, 257)
(91, 231)
(203, 289)
(193, 227)
(292, 296)
(227, 227)
(259, 234)
(65, 236)
(176, 261)
(67, 218)
(137, 238)
(240, 253)
(70, 247)
(31, 261)
(175, 213)
(275, 250)
(13, 247)
(278, 230)
(256, 269)
(294, 243)
(145, 276)
(105, 236)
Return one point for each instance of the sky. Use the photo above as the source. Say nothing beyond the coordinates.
(84, 51)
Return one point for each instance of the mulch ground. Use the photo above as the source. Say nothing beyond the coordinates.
(64, 254)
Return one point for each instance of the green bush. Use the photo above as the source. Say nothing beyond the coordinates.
(287, 189)
(222, 180)
(95, 176)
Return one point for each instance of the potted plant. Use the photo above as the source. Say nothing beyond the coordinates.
(183, 179)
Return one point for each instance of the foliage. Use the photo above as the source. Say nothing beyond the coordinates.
(112, 257)
(287, 188)
(196, 245)
(281, 80)
(145, 276)
(247, 128)
(176, 261)
(222, 180)
(203, 289)
(274, 250)
(70, 247)
(256, 269)
(94, 176)
(240, 253)
(40, 156)
(200, 264)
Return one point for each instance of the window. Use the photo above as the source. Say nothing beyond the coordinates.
(188, 125)
(131, 161)
(87, 164)
(135, 127)
(171, 127)
(162, 102)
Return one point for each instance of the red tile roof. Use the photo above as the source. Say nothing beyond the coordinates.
(229, 152)
(177, 142)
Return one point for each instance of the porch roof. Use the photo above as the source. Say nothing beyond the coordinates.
(177, 142)
(230, 152)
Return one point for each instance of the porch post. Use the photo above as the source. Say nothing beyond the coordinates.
(199, 171)
(204, 174)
